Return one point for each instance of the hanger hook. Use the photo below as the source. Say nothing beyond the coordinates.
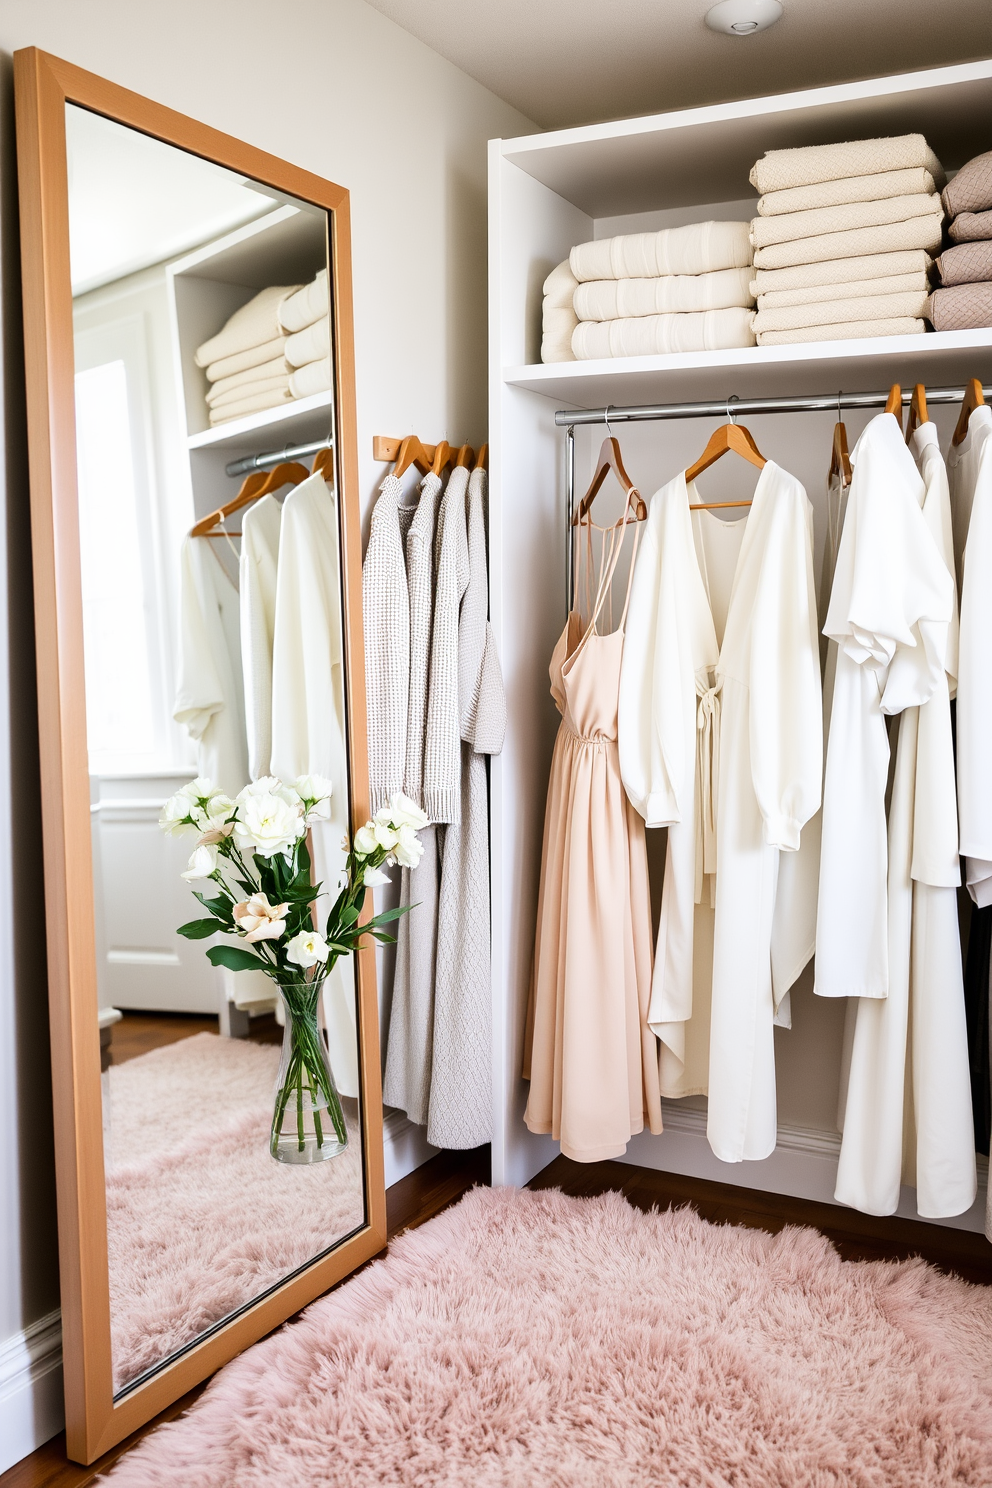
(731, 415)
(606, 419)
(839, 391)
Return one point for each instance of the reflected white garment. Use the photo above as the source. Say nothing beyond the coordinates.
(308, 719)
(259, 558)
(210, 695)
(969, 468)
(743, 714)
(907, 1111)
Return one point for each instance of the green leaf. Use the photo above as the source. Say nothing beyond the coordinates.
(383, 938)
(199, 929)
(348, 916)
(220, 907)
(389, 914)
(235, 959)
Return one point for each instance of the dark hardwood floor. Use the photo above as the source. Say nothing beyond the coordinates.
(138, 1033)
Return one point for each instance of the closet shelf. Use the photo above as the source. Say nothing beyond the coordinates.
(290, 421)
(941, 357)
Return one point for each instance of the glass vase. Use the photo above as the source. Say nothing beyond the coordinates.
(308, 1124)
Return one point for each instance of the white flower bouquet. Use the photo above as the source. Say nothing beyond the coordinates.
(254, 851)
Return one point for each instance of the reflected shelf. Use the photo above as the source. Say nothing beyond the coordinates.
(290, 420)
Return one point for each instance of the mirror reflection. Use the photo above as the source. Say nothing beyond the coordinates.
(216, 729)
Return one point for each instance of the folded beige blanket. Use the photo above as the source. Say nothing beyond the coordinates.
(308, 304)
(965, 307)
(256, 404)
(834, 312)
(672, 294)
(813, 294)
(275, 367)
(780, 170)
(850, 330)
(971, 189)
(558, 348)
(315, 377)
(698, 248)
(841, 270)
(559, 287)
(243, 361)
(311, 344)
(970, 263)
(848, 189)
(276, 383)
(794, 225)
(558, 323)
(917, 232)
(660, 335)
(971, 227)
(253, 325)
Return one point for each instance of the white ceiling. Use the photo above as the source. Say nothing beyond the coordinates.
(564, 62)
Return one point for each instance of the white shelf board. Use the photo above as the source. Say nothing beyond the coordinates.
(940, 359)
(286, 421)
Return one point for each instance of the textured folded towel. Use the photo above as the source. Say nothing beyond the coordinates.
(659, 335)
(698, 248)
(833, 312)
(672, 294)
(253, 325)
(257, 404)
(243, 361)
(841, 270)
(275, 367)
(315, 377)
(849, 330)
(558, 322)
(965, 307)
(917, 232)
(558, 348)
(559, 287)
(308, 304)
(780, 170)
(970, 263)
(848, 189)
(311, 344)
(815, 294)
(277, 383)
(794, 225)
(971, 189)
(971, 227)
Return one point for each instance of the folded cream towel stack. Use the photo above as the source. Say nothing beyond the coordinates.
(305, 317)
(647, 294)
(843, 238)
(964, 300)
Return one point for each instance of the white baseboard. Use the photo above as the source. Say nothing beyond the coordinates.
(31, 1405)
(803, 1165)
(405, 1146)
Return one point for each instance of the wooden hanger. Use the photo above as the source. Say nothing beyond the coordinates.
(610, 458)
(443, 455)
(973, 398)
(465, 455)
(917, 410)
(480, 459)
(840, 458)
(259, 483)
(412, 452)
(894, 402)
(729, 437)
(323, 464)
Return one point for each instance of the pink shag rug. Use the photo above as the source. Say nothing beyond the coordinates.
(530, 1340)
(200, 1218)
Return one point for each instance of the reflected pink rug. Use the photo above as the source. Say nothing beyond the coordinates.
(536, 1341)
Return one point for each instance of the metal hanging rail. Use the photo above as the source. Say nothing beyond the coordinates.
(249, 463)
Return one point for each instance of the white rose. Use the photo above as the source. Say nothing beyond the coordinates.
(202, 863)
(402, 812)
(269, 785)
(200, 789)
(313, 788)
(365, 841)
(409, 848)
(385, 835)
(257, 919)
(211, 815)
(307, 948)
(175, 815)
(268, 824)
(374, 878)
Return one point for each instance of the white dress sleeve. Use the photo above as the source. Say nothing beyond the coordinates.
(200, 692)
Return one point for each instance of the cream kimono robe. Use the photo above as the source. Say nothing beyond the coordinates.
(720, 739)
(887, 928)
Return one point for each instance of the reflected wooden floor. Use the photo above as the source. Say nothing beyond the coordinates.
(139, 1033)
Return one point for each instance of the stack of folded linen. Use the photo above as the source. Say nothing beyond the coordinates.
(843, 237)
(964, 302)
(246, 362)
(649, 294)
(308, 346)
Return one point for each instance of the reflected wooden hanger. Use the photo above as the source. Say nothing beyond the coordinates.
(917, 410)
(610, 458)
(973, 398)
(256, 485)
(729, 437)
(323, 464)
(840, 457)
(893, 403)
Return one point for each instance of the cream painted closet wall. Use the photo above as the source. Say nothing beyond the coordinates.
(335, 87)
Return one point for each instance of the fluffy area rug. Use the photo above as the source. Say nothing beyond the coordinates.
(200, 1218)
(530, 1340)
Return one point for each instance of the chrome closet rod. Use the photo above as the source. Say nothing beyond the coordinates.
(248, 463)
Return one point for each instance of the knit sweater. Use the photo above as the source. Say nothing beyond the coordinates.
(442, 752)
(481, 701)
(420, 582)
(386, 611)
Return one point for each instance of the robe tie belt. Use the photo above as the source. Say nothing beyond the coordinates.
(707, 774)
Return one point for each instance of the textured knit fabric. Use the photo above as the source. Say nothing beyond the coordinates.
(969, 263)
(781, 170)
(889, 237)
(841, 270)
(971, 227)
(310, 344)
(894, 284)
(253, 325)
(699, 248)
(672, 294)
(660, 335)
(848, 189)
(420, 586)
(966, 307)
(409, 1045)
(308, 304)
(832, 312)
(845, 218)
(386, 611)
(442, 755)
(847, 330)
(971, 189)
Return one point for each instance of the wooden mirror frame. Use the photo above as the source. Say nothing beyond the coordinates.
(43, 86)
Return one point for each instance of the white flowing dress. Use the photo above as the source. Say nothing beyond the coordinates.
(259, 565)
(720, 737)
(210, 701)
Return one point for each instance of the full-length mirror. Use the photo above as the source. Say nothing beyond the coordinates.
(215, 990)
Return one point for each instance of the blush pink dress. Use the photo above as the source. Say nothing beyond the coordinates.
(591, 1059)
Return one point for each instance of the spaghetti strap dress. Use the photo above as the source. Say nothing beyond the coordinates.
(590, 1057)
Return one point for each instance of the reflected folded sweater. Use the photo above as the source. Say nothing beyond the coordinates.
(253, 325)
(792, 226)
(314, 377)
(698, 248)
(257, 403)
(831, 312)
(780, 170)
(311, 344)
(308, 304)
(848, 189)
(671, 294)
(917, 232)
(243, 361)
(241, 383)
(660, 335)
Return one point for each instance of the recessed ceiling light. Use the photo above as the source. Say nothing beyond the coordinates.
(743, 17)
